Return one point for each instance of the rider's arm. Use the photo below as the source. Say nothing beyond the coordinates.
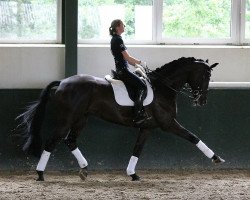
(131, 60)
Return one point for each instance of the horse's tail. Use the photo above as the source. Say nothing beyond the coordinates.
(31, 121)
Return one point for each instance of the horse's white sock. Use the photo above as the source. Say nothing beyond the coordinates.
(208, 152)
(131, 165)
(43, 161)
(81, 160)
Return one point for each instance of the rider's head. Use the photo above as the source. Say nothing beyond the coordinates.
(116, 28)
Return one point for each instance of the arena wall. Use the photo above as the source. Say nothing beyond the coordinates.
(29, 66)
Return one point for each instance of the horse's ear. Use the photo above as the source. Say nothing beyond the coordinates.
(213, 65)
(207, 61)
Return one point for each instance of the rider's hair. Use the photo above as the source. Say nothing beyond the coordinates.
(114, 24)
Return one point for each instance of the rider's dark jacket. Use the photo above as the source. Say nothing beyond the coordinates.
(117, 47)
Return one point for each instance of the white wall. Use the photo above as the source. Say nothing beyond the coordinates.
(29, 66)
(234, 61)
(35, 66)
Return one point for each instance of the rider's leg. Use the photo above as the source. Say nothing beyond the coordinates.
(138, 108)
(141, 91)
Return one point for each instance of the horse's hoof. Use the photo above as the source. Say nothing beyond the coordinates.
(217, 159)
(83, 173)
(40, 176)
(135, 177)
(40, 179)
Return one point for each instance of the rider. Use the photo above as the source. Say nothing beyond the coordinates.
(122, 58)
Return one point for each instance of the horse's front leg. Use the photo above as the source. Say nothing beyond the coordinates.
(143, 133)
(177, 129)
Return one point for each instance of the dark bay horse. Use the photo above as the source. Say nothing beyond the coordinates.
(79, 96)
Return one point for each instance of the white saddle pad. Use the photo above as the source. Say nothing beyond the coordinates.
(121, 93)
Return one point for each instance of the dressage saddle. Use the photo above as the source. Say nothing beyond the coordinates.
(131, 90)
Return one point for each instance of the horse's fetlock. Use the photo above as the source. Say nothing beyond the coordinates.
(40, 176)
(135, 177)
(83, 173)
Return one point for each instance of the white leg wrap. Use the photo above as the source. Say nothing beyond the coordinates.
(208, 152)
(43, 161)
(131, 165)
(81, 160)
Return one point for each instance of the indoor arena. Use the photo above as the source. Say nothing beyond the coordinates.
(114, 99)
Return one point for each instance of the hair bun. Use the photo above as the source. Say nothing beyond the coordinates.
(115, 23)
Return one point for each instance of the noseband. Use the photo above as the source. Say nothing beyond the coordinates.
(199, 92)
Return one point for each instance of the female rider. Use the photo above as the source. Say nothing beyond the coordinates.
(122, 58)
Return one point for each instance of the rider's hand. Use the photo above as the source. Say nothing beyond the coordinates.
(140, 72)
(143, 64)
(140, 67)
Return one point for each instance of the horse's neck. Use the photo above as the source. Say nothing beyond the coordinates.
(164, 91)
(173, 81)
(178, 82)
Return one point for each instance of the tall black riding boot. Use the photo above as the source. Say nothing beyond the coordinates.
(140, 114)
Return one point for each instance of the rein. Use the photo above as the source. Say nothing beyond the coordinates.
(166, 81)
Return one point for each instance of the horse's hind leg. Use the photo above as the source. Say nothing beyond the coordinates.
(70, 141)
(141, 139)
(177, 129)
(59, 133)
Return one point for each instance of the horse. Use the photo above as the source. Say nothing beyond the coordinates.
(79, 96)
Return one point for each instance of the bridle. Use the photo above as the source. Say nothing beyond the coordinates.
(199, 92)
(196, 94)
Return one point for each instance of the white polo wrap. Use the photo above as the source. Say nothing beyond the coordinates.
(43, 161)
(81, 160)
(208, 152)
(131, 165)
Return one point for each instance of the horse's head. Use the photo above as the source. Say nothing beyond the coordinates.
(195, 72)
(199, 80)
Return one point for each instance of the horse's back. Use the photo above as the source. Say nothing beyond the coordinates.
(81, 79)
(80, 95)
(83, 87)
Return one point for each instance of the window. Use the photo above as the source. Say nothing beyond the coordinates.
(196, 19)
(166, 21)
(247, 20)
(28, 20)
(147, 21)
(95, 17)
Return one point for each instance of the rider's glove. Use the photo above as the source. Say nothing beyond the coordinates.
(143, 64)
(140, 72)
(140, 67)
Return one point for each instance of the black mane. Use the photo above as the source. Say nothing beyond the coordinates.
(172, 66)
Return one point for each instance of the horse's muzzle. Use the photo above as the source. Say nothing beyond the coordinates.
(203, 102)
